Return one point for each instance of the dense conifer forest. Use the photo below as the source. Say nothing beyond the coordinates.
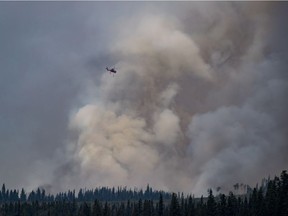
(270, 199)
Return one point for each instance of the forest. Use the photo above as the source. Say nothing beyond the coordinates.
(269, 199)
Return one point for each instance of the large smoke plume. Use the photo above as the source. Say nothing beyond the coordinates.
(198, 102)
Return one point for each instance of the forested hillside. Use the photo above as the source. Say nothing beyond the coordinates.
(271, 200)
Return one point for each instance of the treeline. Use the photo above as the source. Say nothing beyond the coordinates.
(83, 195)
(273, 201)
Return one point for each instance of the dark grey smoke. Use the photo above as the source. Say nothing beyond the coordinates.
(199, 100)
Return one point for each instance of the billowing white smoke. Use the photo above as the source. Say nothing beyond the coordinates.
(193, 105)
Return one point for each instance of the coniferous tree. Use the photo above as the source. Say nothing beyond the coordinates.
(191, 207)
(222, 206)
(86, 211)
(73, 207)
(3, 191)
(80, 195)
(283, 194)
(211, 204)
(121, 210)
(106, 210)
(182, 206)
(38, 194)
(147, 208)
(231, 205)
(260, 203)
(174, 206)
(161, 206)
(134, 210)
(128, 211)
(271, 204)
(23, 196)
(246, 207)
(97, 208)
(200, 208)
(140, 207)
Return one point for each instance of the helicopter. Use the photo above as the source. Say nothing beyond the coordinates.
(111, 70)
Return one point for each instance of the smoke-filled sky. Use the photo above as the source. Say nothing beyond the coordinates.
(199, 100)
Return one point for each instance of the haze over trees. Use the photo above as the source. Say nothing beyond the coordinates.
(270, 199)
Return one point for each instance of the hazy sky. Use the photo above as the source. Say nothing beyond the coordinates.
(199, 100)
